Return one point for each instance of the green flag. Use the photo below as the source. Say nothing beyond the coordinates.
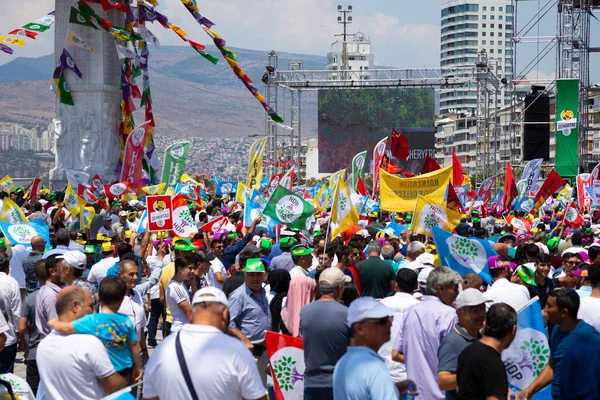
(567, 138)
(175, 158)
(358, 168)
(36, 26)
(76, 17)
(288, 208)
(64, 95)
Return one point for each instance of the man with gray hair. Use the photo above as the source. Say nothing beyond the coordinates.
(201, 360)
(387, 253)
(324, 344)
(414, 250)
(376, 276)
(423, 328)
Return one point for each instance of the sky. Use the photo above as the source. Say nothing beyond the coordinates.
(404, 34)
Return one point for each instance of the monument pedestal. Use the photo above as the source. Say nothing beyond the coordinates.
(86, 135)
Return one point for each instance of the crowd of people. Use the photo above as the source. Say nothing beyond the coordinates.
(379, 315)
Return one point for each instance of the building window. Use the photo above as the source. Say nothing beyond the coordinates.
(491, 42)
(483, 26)
(491, 17)
(492, 26)
(509, 27)
(491, 33)
(483, 34)
(500, 17)
(499, 26)
(499, 51)
(484, 8)
(491, 51)
(509, 9)
(499, 42)
(500, 9)
(366, 68)
(492, 8)
(483, 43)
(484, 17)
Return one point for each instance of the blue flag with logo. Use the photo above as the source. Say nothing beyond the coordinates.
(22, 233)
(463, 255)
(529, 353)
(252, 210)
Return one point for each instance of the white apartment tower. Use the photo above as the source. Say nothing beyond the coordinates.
(468, 26)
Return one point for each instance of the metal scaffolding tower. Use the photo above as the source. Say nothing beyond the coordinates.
(284, 141)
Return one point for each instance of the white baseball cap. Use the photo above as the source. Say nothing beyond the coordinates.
(210, 295)
(423, 275)
(122, 213)
(75, 259)
(470, 297)
(333, 276)
(367, 307)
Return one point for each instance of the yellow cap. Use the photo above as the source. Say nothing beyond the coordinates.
(107, 246)
(436, 261)
(103, 237)
(127, 234)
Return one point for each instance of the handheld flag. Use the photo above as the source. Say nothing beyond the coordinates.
(463, 255)
(86, 216)
(154, 189)
(116, 189)
(343, 213)
(378, 153)
(288, 208)
(97, 184)
(427, 215)
(215, 224)
(510, 188)
(6, 184)
(174, 163)
(322, 198)
(36, 186)
(255, 166)
(183, 223)
(73, 202)
(286, 360)
(359, 163)
(572, 216)
(552, 183)
(399, 194)
(429, 165)
(399, 145)
(486, 188)
(287, 181)
(457, 170)
(21, 233)
(529, 352)
(12, 213)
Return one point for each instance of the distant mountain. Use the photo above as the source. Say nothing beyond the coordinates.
(191, 97)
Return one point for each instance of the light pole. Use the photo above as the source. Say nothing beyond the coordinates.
(345, 19)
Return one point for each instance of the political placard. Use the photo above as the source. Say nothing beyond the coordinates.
(160, 215)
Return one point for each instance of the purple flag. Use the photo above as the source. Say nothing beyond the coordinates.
(66, 62)
(6, 49)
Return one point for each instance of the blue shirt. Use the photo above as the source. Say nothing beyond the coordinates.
(115, 331)
(360, 375)
(250, 313)
(584, 291)
(561, 344)
(231, 252)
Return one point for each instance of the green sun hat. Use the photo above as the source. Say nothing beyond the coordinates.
(89, 249)
(265, 244)
(408, 218)
(301, 250)
(553, 243)
(287, 242)
(254, 265)
(232, 235)
(526, 274)
(184, 244)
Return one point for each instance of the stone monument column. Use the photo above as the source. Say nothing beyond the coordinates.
(86, 135)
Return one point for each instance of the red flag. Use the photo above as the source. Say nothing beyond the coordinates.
(452, 201)
(552, 183)
(134, 154)
(285, 352)
(521, 225)
(510, 188)
(88, 196)
(399, 145)
(360, 187)
(214, 225)
(112, 5)
(378, 153)
(486, 188)
(389, 167)
(196, 45)
(457, 170)
(287, 181)
(23, 32)
(116, 189)
(429, 165)
(36, 186)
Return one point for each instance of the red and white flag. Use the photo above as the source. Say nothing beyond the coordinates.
(116, 189)
(97, 183)
(378, 154)
(36, 186)
(572, 216)
(88, 196)
(287, 181)
(183, 222)
(286, 359)
(134, 154)
(214, 225)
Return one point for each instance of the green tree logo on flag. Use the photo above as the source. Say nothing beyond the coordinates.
(289, 208)
(22, 233)
(536, 355)
(467, 252)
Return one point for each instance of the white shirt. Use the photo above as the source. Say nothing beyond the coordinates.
(400, 302)
(19, 252)
(153, 262)
(74, 246)
(589, 311)
(70, 366)
(220, 366)
(574, 249)
(99, 270)
(216, 266)
(177, 293)
(4, 328)
(10, 305)
(133, 307)
(299, 272)
(105, 231)
(503, 291)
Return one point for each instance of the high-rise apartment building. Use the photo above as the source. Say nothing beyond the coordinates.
(360, 57)
(468, 26)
